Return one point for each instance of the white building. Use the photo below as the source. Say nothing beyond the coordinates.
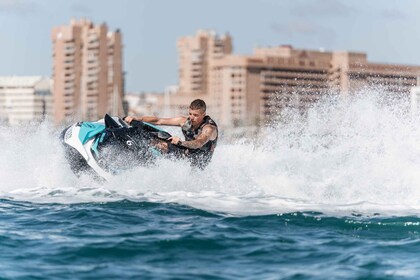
(415, 100)
(25, 99)
(145, 103)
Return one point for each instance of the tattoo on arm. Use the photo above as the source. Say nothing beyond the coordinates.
(201, 140)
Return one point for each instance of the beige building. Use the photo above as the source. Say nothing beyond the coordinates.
(196, 57)
(249, 90)
(87, 71)
(351, 72)
(25, 99)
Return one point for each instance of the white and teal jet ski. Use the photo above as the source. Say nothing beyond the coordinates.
(110, 145)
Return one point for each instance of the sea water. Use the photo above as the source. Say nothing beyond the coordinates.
(333, 194)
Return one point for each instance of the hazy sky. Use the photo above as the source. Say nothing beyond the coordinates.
(387, 30)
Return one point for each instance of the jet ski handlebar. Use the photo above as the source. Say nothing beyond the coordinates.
(160, 134)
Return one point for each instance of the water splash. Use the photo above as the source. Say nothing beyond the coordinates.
(356, 154)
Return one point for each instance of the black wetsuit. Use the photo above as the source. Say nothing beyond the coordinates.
(200, 157)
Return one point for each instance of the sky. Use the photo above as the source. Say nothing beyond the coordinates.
(387, 30)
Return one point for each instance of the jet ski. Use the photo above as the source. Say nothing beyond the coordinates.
(110, 146)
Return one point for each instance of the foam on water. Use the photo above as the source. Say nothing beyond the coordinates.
(357, 154)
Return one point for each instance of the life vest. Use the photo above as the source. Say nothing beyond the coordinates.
(200, 157)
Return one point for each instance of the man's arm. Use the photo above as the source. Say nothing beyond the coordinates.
(177, 121)
(208, 133)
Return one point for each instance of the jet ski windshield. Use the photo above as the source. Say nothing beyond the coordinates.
(163, 135)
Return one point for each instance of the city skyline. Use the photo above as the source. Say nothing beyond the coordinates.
(253, 89)
(384, 30)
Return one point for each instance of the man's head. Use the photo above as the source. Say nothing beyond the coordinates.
(197, 111)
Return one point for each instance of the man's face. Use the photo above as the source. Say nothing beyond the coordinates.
(196, 116)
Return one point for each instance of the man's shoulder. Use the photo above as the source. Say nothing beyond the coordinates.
(211, 129)
(209, 125)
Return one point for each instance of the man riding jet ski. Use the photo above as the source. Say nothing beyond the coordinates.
(199, 129)
(110, 145)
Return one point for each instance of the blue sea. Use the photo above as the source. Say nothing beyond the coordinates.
(334, 194)
(126, 239)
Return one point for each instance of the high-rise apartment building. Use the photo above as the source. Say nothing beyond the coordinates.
(87, 71)
(25, 99)
(243, 90)
(196, 57)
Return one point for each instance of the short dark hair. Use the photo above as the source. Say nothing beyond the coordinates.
(198, 104)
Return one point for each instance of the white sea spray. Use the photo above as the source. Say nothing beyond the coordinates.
(355, 154)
